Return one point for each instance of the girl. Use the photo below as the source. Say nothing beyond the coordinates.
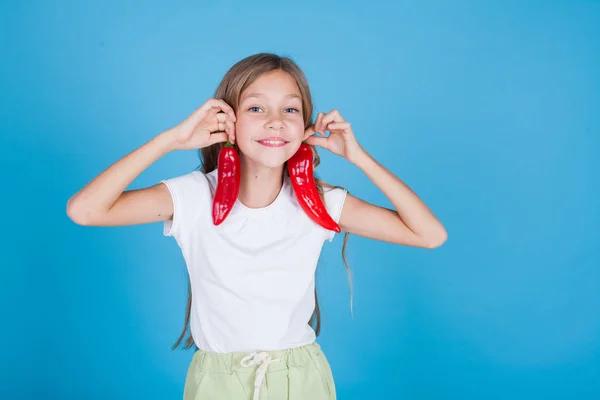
(252, 302)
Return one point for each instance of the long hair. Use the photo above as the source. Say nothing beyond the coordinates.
(236, 80)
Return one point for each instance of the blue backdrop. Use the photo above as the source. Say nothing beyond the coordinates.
(488, 110)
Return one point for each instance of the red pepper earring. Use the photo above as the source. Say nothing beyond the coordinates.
(228, 182)
(300, 169)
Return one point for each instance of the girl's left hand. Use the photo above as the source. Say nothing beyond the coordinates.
(341, 140)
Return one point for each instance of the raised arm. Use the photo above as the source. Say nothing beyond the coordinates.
(411, 224)
(104, 201)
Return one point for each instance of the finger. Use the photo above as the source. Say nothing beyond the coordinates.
(317, 141)
(318, 123)
(332, 116)
(310, 131)
(213, 126)
(221, 117)
(217, 105)
(230, 131)
(218, 137)
(338, 125)
(217, 118)
(218, 115)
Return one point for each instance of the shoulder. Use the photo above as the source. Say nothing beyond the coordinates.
(188, 178)
(192, 180)
(191, 196)
(333, 195)
(211, 179)
(192, 186)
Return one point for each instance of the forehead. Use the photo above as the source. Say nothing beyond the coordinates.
(275, 84)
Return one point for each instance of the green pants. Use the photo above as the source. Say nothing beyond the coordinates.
(293, 374)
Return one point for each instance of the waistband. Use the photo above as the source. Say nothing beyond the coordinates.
(229, 362)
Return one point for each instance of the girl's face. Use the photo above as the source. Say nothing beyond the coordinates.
(270, 126)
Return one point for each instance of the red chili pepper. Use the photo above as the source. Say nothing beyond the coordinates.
(228, 182)
(300, 169)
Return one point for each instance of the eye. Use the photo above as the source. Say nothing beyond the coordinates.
(251, 108)
(295, 110)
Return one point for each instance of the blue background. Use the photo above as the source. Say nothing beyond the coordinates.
(488, 110)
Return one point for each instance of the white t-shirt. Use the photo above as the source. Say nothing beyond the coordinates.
(252, 277)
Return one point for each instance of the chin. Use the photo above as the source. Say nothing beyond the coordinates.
(273, 157)
(273, 163)
(268, 160)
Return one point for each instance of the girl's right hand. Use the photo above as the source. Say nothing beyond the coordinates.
(213, 122)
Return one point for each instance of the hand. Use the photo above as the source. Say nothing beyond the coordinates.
(341, 140)
(213, 122)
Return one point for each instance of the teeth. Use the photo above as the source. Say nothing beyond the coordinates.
(272, 141)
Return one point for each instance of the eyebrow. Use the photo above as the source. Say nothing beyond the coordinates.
(291, 95)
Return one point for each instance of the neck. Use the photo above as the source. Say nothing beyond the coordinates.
(259, 185)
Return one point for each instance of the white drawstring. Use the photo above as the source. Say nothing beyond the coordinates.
(263, 360)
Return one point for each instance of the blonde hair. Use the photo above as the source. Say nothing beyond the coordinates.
(236, 80)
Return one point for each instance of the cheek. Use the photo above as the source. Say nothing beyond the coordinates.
(243, 134)
(243, 128)
(299, 128)
(296, 123)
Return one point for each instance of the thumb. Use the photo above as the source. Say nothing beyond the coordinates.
(317, 141)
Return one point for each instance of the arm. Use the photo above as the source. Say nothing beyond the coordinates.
(412, 224)
(104, 201)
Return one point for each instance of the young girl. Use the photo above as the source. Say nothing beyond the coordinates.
(252, 303)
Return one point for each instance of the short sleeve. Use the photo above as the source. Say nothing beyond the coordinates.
(190, 194)
(334, 202)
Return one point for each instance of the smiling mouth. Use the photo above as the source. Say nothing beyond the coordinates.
(272, 142)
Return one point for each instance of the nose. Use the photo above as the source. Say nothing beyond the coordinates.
(274, 122)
